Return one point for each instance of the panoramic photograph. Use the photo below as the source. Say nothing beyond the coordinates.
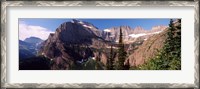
(99, 44)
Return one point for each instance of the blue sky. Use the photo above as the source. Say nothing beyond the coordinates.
(52, 24)
(42, 27)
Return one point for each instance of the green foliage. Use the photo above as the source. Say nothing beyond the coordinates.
(169, 57)
(110, 61)
(92, 64)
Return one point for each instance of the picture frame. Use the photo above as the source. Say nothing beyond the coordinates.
(4, 39)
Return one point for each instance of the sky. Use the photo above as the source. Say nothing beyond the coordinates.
(42, 27)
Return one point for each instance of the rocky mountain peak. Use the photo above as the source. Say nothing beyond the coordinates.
(158, 28)
(84, 24)
(72, 41)
(73, 33)
(125, 27)
(33, 40)
(138, 30)
(75, 21)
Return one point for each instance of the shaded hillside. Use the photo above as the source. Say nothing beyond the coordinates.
(35, 63)
(26, 50)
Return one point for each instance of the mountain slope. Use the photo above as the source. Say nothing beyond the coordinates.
(72, 42)
(169, 57)
(29, 47)
(148, 49)
(26, 50)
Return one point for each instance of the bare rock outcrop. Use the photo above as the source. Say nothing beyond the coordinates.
(148, 49)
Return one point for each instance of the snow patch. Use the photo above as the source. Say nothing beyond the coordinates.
(143, 34)
(157, 32)
(112, 36)
(107, 30)
(87, 26)
(93, 58)
(72, 21)
(80, 22)
(112, 47)
(80, 61)
(137, 35)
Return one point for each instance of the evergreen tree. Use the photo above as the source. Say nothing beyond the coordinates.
(110, 61)
(108, 64)
(127, 66)
(97, 67)
(121, 53)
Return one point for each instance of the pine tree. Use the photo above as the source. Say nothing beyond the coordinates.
(127, 65)
(120, 36)
(121, 53)
(110, 61)
(108, 64)
(97, 67)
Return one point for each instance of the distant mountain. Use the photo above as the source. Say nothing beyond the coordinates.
(29, 47)
(33, 40)
(112, 34)
(130, 35)
(26, 50)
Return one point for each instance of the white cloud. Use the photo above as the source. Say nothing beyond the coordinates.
(26, 31)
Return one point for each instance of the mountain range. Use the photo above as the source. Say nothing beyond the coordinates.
(29, 47)
(130, 35)
(76, 42)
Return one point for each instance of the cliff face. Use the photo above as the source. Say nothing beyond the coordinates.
(72, 42)
(148, 49)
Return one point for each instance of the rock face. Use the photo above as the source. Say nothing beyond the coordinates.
(72, 42)
(148, 49)
(112, 34)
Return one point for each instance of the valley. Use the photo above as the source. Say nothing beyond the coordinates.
(79, 45)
